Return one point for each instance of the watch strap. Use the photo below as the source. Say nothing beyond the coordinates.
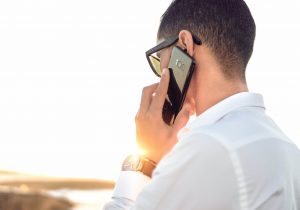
(148, 166)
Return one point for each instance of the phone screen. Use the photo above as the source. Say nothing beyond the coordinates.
(181, 68)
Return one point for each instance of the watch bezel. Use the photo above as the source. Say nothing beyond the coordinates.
(132, 163)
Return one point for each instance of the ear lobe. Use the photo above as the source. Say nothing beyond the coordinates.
(186, 41)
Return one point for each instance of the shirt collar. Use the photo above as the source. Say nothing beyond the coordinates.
(219, 110)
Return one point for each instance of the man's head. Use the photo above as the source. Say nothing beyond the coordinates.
(226, 27)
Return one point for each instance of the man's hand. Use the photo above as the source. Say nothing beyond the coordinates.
(154, 136)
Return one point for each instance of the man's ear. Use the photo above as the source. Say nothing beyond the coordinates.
(186, 41)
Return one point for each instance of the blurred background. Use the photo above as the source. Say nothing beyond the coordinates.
(71, 75)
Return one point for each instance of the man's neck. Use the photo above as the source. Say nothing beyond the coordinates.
(211, 86)
(216, 92)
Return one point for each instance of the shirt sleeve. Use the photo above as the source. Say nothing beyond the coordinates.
(196, 175)
(127, 188)
(119, 204)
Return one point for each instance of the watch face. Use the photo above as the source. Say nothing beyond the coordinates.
(131, 163)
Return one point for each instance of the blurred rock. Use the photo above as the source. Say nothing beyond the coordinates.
(13, 199)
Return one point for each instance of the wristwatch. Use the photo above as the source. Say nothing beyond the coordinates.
(139, 163)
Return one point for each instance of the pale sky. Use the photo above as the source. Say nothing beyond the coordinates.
(71, 75)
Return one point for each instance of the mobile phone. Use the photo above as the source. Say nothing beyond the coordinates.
(181, 67)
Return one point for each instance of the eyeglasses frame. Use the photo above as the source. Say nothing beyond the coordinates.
(166, 43)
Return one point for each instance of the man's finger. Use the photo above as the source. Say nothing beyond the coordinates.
(147, 97)
(161, 92)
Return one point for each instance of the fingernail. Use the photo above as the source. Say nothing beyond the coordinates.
(164, 71)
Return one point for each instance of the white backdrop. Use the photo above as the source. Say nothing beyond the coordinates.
(71, 74)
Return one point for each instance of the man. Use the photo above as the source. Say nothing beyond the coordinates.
(232, 156)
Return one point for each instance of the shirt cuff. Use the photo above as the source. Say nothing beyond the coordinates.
(129, 184)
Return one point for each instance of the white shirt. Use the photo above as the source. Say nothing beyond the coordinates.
(231, 157)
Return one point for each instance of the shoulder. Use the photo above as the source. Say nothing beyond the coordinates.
(195, 152)
(237, 129)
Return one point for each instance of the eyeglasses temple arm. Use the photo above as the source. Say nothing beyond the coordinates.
(168, 42)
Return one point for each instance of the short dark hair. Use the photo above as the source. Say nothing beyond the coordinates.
(225, 26)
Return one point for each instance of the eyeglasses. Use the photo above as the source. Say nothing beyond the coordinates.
(154, 60)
